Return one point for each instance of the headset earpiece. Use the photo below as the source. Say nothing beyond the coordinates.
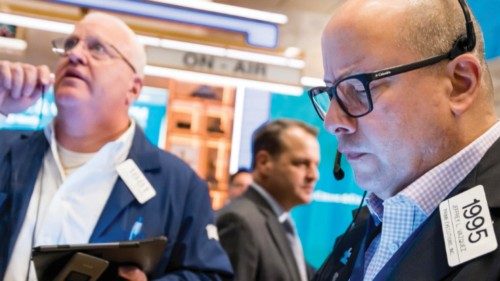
(459, 47)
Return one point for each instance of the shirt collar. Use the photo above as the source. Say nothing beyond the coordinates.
(275, 206)
(116, 150)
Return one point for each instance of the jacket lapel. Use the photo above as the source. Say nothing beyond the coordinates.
(279, 237)
(276, 231)
(146, 157)
(23, 178)
(347, 259)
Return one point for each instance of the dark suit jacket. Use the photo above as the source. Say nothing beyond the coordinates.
(255, 240)
(423, 256)
(180, 210)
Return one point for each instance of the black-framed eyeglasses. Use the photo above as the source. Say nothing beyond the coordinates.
(96, 48)
(353, 92)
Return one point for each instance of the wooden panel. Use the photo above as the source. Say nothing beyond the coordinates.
(199, 130)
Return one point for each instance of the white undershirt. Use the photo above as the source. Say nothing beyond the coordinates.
(60, 198)
(71, 161)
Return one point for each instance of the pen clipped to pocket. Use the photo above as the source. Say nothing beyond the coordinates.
(135, 232)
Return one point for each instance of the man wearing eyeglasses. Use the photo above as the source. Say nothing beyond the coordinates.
(410, 100)
(91, 176)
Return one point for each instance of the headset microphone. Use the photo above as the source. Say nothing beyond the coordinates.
(338, 173)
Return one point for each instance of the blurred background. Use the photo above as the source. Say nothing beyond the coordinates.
(216, 70)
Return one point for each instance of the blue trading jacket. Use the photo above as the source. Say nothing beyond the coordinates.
(180, 210)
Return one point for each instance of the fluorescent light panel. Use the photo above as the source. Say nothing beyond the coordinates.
(228, 10)
(237, 123)
(34, 23)
(12, 44)
(312, 81)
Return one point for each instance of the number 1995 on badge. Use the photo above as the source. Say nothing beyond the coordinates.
(467, 227)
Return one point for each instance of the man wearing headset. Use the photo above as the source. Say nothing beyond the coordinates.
(410, 99)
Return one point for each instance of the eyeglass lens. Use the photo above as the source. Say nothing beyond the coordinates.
(354, 96)
(93, 45)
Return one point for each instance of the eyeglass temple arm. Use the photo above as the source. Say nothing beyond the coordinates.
(469, 25)
(407, 67)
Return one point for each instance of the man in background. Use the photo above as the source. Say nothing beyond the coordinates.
(91, 175)
(410, 100)
(256, 229)
(239, 183)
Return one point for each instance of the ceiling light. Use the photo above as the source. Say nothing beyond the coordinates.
(34, 23)
(311, 81)
(12, 44)
(229, 10)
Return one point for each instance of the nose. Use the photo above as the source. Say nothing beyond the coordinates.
(337, 122)
(77, 54)
(312, 173)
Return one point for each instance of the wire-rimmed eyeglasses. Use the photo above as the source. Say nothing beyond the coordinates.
(353, 92)
(96, 48)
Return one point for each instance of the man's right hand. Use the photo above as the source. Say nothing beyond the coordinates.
(21, 85)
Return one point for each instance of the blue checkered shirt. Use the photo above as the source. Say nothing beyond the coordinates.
(403, 213)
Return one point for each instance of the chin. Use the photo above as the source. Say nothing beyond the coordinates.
(305, 199)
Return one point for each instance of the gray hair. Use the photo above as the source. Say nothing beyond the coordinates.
(432, 27)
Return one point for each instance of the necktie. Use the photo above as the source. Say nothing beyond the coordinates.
(296, 247)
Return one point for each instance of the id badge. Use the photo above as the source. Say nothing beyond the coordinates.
(467, 226)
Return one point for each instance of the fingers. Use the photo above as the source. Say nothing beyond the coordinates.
(17, 77)
(30, 80)
(131, 273)
(23, 80)
(5, 76)
(45, 77)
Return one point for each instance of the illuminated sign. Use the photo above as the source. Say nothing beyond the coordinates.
(225, 66)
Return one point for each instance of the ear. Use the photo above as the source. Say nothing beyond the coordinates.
(263, 162)
(135, 90)
(464, 73)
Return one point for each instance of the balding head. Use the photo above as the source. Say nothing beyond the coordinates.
(122, 37)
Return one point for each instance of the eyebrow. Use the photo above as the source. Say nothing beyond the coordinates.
(344, 75)
(351, 70)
